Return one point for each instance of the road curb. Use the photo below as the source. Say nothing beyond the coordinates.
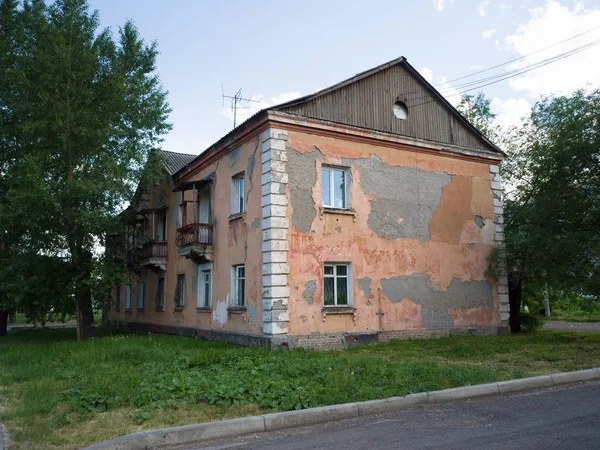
(191, 434)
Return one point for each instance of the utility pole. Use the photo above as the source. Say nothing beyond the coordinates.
(236, 102)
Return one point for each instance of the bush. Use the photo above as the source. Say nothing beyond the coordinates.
(531, 321)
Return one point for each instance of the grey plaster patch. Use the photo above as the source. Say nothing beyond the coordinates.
(434, 303)
(302, 179)
(252, 313)
(365, 285)
(338, 229)
(405, 197)
(256, 222)
(309, 291)
(479, 221)
(471, 246)
(233, 157)
(174, 209)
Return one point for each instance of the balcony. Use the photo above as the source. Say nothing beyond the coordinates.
(154, 254)
(195, 241)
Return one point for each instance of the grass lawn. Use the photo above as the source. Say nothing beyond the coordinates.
(63, 394)
(577, 318)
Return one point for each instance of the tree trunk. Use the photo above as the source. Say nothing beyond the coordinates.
(515, 290)
(546, 302)
(85, 314)
(3, 323)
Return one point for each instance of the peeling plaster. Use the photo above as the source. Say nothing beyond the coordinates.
(479, 221)
(403, 198)
(309, 291)
(302, 180)
(435, 304)
(256, 222)
(365, 285)
(338, 229)
(220, 311)
(252, 313)
(233, 157)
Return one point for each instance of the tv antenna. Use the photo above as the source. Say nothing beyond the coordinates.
(237, 102)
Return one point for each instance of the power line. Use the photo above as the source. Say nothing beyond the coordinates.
(519, 58)
(504, 75)
(549, 61)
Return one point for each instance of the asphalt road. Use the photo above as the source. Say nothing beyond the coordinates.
(561, 325)
(566, 417)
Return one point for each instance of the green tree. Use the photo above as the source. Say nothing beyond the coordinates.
(81, 112)
(552, 205)
(476, 109)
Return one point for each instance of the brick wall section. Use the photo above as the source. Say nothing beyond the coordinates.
(502, 282)
(275, 269)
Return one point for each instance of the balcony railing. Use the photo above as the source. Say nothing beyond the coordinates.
(194, 234)
(154, 249)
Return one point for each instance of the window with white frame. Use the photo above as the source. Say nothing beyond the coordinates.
(335, 187)
(239, 285)
(337, 284)
(160, 293)
(204, 285)
(141, 294)
(238, 194)
(128, 297)
(180, 292)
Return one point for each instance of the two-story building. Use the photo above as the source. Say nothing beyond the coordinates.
(363, 212)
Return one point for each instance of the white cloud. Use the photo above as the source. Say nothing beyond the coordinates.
(427, 73)
(510, 112)
(251, 108)
(488, 33)
(548, 24)
(481, 9)
(440, 4)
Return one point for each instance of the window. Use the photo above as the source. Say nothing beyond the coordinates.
(239, 285)
(335, 188)
(130, 240)
(237, 197)
(118, 297)
(141, 294)
(336, 285)
(183, 214)
(204, 285)
(180, 292)
(400, 110)
(128, 297)
(161, 229)
(160, 293)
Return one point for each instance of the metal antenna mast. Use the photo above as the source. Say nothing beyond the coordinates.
(237, 102)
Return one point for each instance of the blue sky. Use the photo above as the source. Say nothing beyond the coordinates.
(278, 50)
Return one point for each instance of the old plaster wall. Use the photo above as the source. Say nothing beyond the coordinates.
(236, 241)
(417, 239)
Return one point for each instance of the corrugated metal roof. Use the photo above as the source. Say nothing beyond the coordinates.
(176, 161)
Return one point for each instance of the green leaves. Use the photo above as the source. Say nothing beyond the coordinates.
(80, 114)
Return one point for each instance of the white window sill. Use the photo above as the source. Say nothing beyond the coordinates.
(341, 310)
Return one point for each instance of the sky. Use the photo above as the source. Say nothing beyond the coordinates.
(276, 51)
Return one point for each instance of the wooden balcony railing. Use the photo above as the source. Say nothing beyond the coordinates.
(154, 249)
(194, 234)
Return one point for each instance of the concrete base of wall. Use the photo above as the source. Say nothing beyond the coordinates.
(317, 341)
(212, 335)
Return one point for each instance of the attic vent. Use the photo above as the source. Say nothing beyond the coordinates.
(400, 110)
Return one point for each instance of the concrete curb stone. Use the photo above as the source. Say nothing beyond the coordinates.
(479, 390)
(191, 434)
(573, 377)
(311, 416)
(525, 383)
